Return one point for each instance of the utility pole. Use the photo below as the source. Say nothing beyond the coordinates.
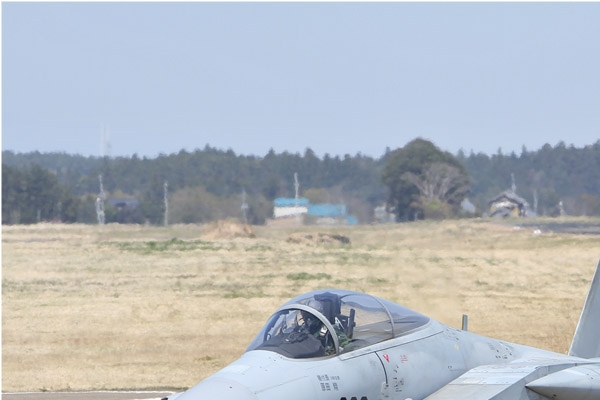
(297, 186)
(100, 203)
(513, 186)
(244, 206)
(166, 192)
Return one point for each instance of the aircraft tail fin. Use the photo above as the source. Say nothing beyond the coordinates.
(586, 341)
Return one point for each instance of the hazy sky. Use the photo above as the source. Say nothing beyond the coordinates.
(340, 78)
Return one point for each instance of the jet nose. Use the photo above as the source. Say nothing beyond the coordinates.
(218, 389)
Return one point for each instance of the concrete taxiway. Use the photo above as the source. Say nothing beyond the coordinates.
(99, 395)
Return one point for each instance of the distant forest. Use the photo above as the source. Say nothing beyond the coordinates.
(210, 184)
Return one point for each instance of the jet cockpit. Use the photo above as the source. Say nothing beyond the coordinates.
(331, 322)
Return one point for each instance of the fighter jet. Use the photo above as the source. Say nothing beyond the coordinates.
(343, 345)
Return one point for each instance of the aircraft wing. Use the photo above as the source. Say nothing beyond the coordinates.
(525, 380)
(578, 383)
(571, 378)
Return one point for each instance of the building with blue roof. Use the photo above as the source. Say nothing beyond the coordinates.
(321, 213)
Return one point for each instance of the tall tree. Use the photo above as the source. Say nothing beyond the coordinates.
(442, 187)
(34, 195)
(420, 161)
(14, 186)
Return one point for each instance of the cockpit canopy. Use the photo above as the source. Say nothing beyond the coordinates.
(329, 322)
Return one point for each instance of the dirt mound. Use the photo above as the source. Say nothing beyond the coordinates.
(318, 238)
(227, 230)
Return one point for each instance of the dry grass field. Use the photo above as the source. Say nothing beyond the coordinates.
(135, 307)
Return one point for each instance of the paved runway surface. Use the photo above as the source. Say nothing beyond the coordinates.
(102, 395)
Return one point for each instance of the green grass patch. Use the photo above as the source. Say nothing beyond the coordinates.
(174, 244)
(377, 281)
(305, 276)
(244, 293)
(260, 247)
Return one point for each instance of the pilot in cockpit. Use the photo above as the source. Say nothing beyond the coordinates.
(311, 330)
(316, 328)
(312, 324)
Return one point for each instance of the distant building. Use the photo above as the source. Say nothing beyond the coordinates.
(508, 204)
(381, 215)
(285, 207)
(325, 214)
(123, 203)
(327, 210)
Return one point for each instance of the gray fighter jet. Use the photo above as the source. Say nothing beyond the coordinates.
(342, 345)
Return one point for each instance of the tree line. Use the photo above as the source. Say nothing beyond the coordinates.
(418, 180)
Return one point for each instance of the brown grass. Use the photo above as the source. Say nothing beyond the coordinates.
(132, 307)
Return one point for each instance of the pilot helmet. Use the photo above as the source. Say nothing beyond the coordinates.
(311, 320)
